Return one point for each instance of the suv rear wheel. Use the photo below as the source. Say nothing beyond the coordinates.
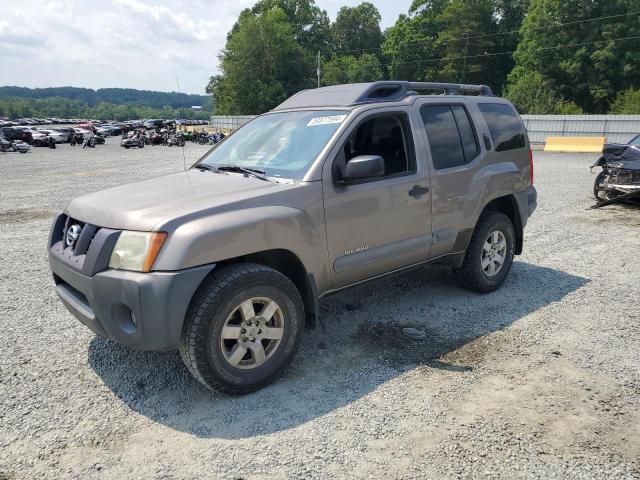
(490, 253)
(242, 328)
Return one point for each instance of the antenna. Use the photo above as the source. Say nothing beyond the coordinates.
(184, 158)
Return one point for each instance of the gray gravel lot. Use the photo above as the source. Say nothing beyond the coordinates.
(538, 380)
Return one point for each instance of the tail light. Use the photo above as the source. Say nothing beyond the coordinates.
(531, 164)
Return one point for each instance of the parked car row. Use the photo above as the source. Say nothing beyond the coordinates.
(30, 122)
(35, 136)
(148, 123)
(38, 137)
(154, 132)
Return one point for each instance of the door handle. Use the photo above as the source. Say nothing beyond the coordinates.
(487, 142)
(418, 191)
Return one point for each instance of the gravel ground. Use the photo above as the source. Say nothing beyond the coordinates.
(538, 380)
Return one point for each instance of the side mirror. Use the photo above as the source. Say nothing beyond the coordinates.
(362, 167)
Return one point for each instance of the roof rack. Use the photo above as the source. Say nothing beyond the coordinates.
(384, 91)
(393, 91)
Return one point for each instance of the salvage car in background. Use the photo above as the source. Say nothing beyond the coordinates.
(109, 130)
(132, 140)
(23, 134)
(13, 146)
(57, 136)
(619, 179)
(67, 132)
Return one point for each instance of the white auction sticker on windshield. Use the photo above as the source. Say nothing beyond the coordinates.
(326, 120)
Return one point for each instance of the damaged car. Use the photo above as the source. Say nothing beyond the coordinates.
(619, 180)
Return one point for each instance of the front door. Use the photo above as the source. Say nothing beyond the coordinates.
(382, 224)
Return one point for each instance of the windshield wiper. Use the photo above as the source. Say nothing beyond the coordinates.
(204, 166)
(254, 172)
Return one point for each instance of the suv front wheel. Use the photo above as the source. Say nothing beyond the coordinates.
(489, 255)
(242, 328)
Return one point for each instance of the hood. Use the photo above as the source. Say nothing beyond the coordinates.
(622, 156)
(148, 204)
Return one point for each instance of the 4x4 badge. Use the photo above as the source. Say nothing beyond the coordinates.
(72, 235)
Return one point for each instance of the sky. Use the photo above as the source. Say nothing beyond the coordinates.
(162, 45)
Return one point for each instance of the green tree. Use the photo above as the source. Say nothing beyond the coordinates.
(467, 31)
(583, 60)
(310, 23)
(262, 64)
(626, 102)
(351, 69)
(356, 30)
(508, 17)
(448, 40)
(533, 94)
(410, 45)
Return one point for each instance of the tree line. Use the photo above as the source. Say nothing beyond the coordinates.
(130, 96)
(546, 56)
(58, 107)
(107, 103)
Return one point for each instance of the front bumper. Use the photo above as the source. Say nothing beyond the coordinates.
(144, 311)
(141, 310)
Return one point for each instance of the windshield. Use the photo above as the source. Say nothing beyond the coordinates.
(635, 140)
(279, 144)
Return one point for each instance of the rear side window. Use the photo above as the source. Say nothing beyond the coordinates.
(505, 126)
(467, 136)
(451, 136)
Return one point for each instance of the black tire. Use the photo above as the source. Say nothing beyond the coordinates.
(215, 300)
(600, 195)
(603, 195)
(141, 144)
(471, 274)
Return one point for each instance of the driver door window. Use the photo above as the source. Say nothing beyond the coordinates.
(386, 136)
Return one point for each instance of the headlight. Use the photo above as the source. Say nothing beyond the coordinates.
(136, 250)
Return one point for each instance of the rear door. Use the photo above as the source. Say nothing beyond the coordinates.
(457, 155)
(381, 224)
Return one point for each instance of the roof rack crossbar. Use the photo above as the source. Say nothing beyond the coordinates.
(452, 88)
(397, 90)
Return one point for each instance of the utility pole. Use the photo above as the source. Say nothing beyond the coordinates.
(318, 71)
(178, 93)
(464, 62)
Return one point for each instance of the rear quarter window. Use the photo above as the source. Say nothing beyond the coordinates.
(505, 126)
(451, 135)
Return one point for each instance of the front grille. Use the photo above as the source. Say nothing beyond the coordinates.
(83, 246)
(620, 176)
(84, 236)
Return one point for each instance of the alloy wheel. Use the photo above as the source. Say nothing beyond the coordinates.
(252, 333)
(494, 252)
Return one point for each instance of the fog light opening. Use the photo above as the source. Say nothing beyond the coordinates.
(127, 320)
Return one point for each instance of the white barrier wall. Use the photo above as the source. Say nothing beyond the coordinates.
(615, 128)
(230, 122)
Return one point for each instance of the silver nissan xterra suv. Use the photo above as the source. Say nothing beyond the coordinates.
(336, 186)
